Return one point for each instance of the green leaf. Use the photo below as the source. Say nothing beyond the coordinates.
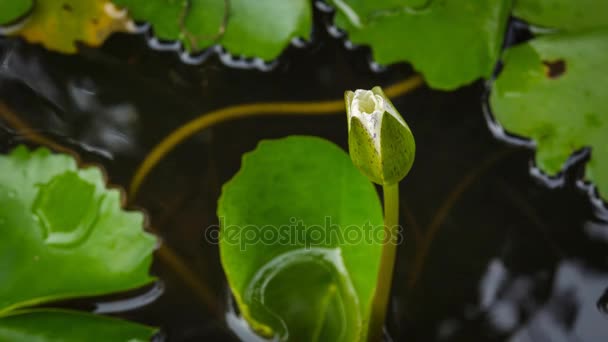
(553, 90)
(64, 234)
(67, 326)
(563, 14)
(60, 24)
(301, 240)
(12, 10)
(243, 27)
(451, 42)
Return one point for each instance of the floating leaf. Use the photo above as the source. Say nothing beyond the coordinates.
(13, 10)
(451, 43)
(64, 234)
(59, 24)
(563, 14)
(68, 326)
(243, 27)
(301, 240)
(552, 90)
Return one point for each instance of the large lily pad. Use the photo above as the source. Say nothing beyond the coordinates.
(64, 234)
(552, 90)
(563, 14)
(451, 42)
(243, 27)
(294, 222)
(60, 24)
(69, 326)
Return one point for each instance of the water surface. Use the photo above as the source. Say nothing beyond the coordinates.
(511, 259)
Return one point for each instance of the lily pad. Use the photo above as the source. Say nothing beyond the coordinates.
(551, 91)
(60, 24)
(69, 326)
(563, 14)
(451, 42)
(243, 27)
(64, 235)
(301, 238)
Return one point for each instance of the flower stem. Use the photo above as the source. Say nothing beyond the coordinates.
(387, 262)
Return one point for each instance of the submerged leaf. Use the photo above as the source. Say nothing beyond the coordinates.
(301, 237)
(60, 24)
(68, 326)
(451, 42)
(64, 235)
(552, 90)
(243, 27)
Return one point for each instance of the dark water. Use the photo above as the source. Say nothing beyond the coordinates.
(511, 258)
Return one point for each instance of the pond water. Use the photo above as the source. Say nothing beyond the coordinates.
(492, 252)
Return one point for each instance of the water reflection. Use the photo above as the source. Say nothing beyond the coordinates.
(110, 128)
(133, 303)
(567, 303)
(73, 107)
(569, 313)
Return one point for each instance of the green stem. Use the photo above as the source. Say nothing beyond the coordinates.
(387, 262)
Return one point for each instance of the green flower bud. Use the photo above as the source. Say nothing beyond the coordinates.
(380, 142)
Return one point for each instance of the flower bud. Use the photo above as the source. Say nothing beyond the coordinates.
(380, 142)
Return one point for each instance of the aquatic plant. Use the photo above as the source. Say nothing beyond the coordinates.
(310, 256)
(451, 43)
(287, 218)
(64, 235)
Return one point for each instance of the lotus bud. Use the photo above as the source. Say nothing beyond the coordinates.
(380, 142)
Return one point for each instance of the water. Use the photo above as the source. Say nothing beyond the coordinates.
(511, 259)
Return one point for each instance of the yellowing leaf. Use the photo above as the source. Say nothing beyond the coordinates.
(59, 24)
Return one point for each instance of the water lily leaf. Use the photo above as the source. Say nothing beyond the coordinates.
(552, 90)
(243, 27)
(64, 235)
(69, 326)
(451, 43)
(563, 14)
(59, 24)
(12, 10)
(301, 235)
